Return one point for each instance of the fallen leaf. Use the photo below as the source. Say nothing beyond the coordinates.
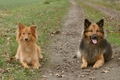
(54, 33)
(105, 71)
(3, 71)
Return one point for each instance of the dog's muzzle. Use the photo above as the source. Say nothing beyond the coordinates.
(94, 38)
(26, 39)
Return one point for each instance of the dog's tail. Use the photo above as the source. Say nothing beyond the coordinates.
(77, 55)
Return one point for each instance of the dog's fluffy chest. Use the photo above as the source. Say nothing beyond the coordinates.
(28, 54)
(27, 49)
(29, 59)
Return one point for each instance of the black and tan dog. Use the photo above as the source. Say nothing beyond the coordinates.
(94, 48)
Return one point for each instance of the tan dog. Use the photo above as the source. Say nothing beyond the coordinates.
(28, 51)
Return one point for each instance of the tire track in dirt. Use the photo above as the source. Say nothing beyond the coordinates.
(62, 66)
(114, 14)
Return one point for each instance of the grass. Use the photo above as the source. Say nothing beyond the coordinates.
(113, 36)
(114, 4)
(6, 4)
(47, 16)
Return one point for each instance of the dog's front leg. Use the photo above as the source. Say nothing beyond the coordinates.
(24, 63)
(85, 63)
(99, 62)
(36, 64)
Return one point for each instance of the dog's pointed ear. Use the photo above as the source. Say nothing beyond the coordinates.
(100, 23)
(20, 26)
(33, 27)
(86, 24)
(33, 30)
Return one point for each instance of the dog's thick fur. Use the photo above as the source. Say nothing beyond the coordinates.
(94, 48)
(28, 51)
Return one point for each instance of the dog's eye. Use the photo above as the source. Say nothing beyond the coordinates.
(98, 31)
(23, 33)
(90, 31)
(29, 33)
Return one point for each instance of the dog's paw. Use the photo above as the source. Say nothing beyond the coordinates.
(37, 66)
(84, 66)
(96, 66)
(25, 65)
(41, 56)
(16, 57)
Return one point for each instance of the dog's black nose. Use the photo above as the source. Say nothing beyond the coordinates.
(26, 39)
(94, 36)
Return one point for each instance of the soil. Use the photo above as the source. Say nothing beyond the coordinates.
(62, 65)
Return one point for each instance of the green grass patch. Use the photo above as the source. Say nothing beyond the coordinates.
(114, 38)
(46, 16)
(114, 4)
(9, 4)
(110, 25)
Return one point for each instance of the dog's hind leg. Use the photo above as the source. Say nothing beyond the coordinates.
(99, 62)
(17, 56)
(85, 63)
(39, 52)
(77, 55)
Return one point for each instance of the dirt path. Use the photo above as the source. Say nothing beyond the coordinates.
(113, 14)
(62, 66)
